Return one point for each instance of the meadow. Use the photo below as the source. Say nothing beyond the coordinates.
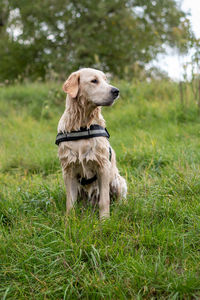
(150, 246)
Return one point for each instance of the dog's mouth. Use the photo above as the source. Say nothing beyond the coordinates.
(110, 100)
(107, 103)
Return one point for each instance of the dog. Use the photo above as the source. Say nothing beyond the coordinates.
(88, 164)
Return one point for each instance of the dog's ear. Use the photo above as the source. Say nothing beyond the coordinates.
(71, 85)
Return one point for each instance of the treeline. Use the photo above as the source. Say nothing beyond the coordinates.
(40, 38)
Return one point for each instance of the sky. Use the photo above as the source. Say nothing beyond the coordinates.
(171, 63)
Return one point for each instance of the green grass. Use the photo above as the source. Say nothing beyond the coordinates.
(149, 248)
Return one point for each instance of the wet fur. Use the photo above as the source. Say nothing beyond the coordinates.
(85, 158)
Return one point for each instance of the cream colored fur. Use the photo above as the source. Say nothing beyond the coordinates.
(87, 91)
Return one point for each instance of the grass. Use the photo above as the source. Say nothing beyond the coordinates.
(149, 248)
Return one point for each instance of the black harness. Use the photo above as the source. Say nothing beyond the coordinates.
(84, 133)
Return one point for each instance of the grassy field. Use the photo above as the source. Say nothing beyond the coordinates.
(149, 248)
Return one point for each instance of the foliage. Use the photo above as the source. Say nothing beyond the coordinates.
(149, 248)
(116, 36)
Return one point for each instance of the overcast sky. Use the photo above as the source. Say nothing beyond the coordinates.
(171, 62)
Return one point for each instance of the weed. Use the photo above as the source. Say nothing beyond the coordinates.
(148, 249)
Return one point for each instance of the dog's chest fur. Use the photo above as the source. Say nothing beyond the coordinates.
(84, 157)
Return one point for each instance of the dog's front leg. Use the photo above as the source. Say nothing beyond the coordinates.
(71, 191)
(104, 200)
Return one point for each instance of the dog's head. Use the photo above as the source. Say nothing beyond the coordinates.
(91, 84)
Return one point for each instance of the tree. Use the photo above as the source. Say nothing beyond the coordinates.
(112, 35)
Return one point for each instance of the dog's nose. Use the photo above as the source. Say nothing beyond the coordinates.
(115, 92)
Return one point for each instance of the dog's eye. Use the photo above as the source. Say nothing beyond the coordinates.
(94, 81)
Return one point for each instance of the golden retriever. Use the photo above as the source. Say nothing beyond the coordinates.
(87, 90)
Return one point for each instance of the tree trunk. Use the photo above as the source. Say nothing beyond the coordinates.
(198, 101)
(181, 93)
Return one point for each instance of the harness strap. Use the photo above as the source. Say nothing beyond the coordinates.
(85, 181)
(110, 153)
(83, 133)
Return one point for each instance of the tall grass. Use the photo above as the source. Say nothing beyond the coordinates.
(149, 248)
